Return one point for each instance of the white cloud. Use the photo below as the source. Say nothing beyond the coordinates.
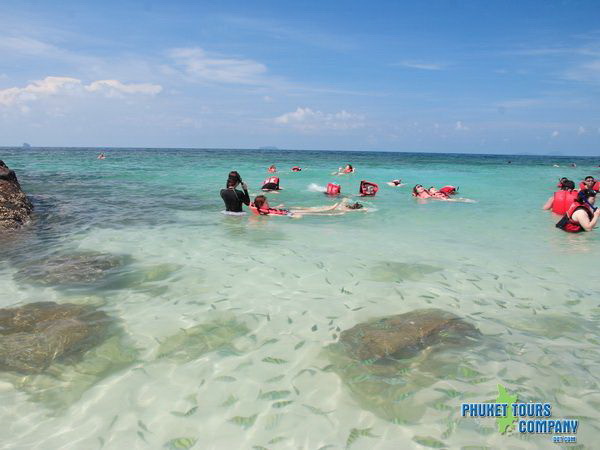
(199, 65)
(421, 65)
(555, 134)
(54, 86)
(587, 73)
(519, 103)
(112, 87)
(581, 130)
(306, 119)
(460, 126)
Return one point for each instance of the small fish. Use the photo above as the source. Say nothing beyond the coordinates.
(282, 404)
(259, 447)
(143, 426)
(428, 441)
(271, 360)
(298, 345)
(317, 411)
(314, 327)
(273, 395)
(113, 421)
(188, 413)
(269, 341)
(356, 433)
(357, 309)
(275, 379)
(101, 442)
(244, 422)
(311, 371)
(230, 400)
(290, 320)
(141, 435)
(277, 439)
(181, 443)
(226, 378)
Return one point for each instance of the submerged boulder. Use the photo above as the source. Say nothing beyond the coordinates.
(15, 207)
(387, 362)
(404, 335)
(35, 335)
(70, 269)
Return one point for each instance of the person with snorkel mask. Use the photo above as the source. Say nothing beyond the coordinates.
(233, 197)
(582, 215)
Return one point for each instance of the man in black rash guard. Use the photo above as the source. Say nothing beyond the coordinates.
(232, 197)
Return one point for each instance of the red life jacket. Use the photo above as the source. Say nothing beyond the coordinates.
(367, 188)
(267, 211)
(296, 169)
(595, 187)
(448, 190)
(333, 189)
(570, 225)
(271, 180)
(562, 201)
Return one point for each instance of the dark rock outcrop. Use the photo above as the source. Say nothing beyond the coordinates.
(15, 207)
(35, 335)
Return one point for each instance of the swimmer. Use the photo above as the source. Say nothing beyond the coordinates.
(262, 207)
(296, 169)
(421, 193)
(272, 169)
(562, 199)
(589, 183)
(232, 197)
(345, 171)
(271, 184)
(582, 215)
(101, 156)
(396, 183)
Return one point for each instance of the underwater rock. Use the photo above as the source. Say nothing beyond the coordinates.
(76, 268)
(404, 335)
(15, 207)
(191, 343)
(385, 363)
(35, 335)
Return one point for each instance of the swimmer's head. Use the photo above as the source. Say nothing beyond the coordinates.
(418, 189)
(586, 196)
(567, 185)
(355, 206)
(233, 179)
(397, 182)
(260, 201)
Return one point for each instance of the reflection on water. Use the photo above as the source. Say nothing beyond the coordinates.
(227, 330)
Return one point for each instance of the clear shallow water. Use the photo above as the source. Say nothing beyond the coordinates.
(499, 263)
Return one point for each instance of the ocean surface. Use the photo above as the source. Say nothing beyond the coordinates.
(227, 323)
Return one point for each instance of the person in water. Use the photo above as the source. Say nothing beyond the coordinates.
(101, 156)
(346, 170)
(262, 207)
(562, 199)
(421, 193)
(589, 183)
(272, 169)
(271, 184)
(582, 214)
(233, 197)
(395, 183)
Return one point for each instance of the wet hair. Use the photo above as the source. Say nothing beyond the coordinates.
(415, 188)
(259, 201)
(233, 179)
(350, 166)
(567, 185)
(355, 206)
(585, 194)
(589, 177)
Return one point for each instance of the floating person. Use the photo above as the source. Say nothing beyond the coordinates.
(449, 190)
(296, 169)
(101, 156)
(573, 165)
(271, 184)
(562, 199)
(367, 189)
(582, 215)
(396, 183)
(234, 198)
(589, 183)
(272, 169)
(261, 207)
(420, 192)
(345, 171)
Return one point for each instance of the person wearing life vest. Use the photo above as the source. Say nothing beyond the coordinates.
(272, 169)
(590, 183)
(448, 190)
(233, 198)
(562, 199)
(395, 183)
(271, 184)
(582, 215)
(333, 189)
(368, 189)
(420, 192)
(296, 169)
(261, 207)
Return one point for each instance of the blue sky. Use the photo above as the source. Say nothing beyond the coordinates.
(435, 76)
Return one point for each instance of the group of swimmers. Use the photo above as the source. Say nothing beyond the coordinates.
(575, 205)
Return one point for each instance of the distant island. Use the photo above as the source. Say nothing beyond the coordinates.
(25, 145)
(269, 147)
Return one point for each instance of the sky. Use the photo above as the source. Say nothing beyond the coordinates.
(465, 76)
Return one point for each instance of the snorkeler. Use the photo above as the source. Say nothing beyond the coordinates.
(271, 184)
(562, 199)
(232, 197)
(582, 215)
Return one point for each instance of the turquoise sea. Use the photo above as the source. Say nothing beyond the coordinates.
(266, 296)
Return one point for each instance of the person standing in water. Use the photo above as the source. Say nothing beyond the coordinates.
(233, 197)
